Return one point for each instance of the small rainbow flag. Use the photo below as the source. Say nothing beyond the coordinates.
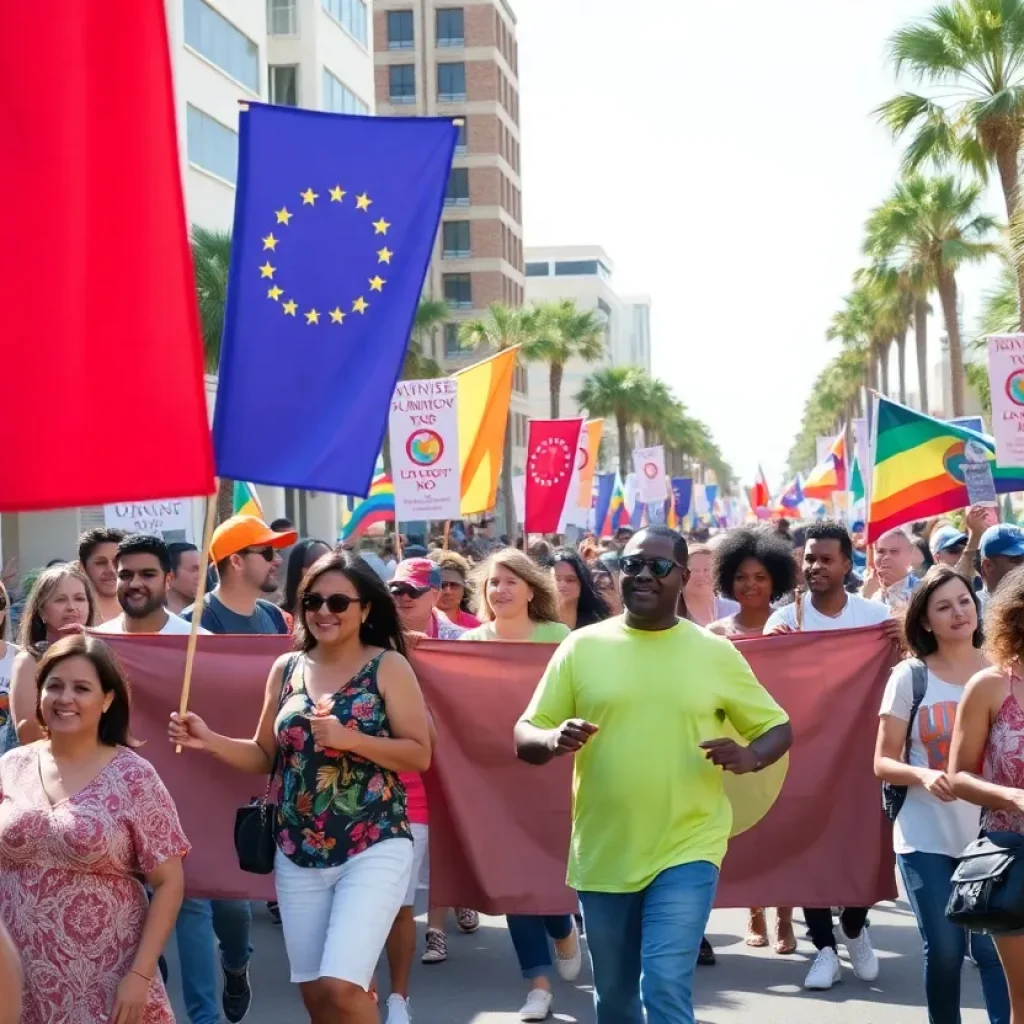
(618, 514)
(359, 514)
(245, 501)
(830, 474)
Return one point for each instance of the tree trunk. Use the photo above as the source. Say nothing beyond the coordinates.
(225, 499)
(508, 504)
(872, 369)
(882, 348)
(947, 296)
(1006, 161)
(621, 425)
(555, 384)
(901, 364)
(921, 345)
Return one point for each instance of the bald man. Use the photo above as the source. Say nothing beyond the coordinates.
(891, 581)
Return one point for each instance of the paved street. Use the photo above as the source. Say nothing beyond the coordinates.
(479, 983)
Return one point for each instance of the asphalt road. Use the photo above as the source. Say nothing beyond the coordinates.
(480, 984)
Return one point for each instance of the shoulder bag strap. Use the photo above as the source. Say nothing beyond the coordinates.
(289, 669)
(919, 677)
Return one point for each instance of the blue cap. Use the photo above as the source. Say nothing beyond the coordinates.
(945, 537)
(1002, 539)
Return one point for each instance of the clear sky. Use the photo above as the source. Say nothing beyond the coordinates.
(725, 157)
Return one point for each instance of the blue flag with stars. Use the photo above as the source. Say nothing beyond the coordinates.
(335, 220)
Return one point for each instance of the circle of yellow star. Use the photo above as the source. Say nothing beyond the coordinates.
(289, 307)
(275, 293)
(337, 193)
(336, 315)
(360, 305)
(309, 197)
(266, 270)
(363, 202)
(381, 226)
(377, 284)
(384, 255)
(312, 317)
(283, 216)
(270, 242)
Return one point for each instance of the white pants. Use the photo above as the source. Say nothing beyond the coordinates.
(420, 863)
(336, 920)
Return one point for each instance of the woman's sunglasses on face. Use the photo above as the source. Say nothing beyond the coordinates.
(633, 565)
(337, 604)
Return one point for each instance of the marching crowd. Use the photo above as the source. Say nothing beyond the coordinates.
(636, 691)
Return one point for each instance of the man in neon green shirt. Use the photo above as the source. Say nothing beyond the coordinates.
(640, 700)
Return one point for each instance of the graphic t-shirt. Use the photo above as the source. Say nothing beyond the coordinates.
(858, 611)
(645, 797)
(926, 824)
(219, 618)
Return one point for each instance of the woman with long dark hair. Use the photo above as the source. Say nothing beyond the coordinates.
(300, 561)
(342, 717)
(579, 603)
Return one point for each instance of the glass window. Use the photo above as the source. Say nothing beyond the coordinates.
(284, 84)
(403, 83)
(208, 32)
(538, 269)
(455, 240)
(351, 15)
(282, 18)
(458, 187)
(458, 291)
(460, 139)
(400, 30)
(339, 98)
(211, 145)
(450, 27)
(451, 82)
(570, 268)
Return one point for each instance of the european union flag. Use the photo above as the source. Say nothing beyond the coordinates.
(335, 220)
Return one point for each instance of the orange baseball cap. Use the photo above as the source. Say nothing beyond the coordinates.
(241, 532)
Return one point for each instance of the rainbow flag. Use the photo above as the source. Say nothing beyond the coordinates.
(618, 514)
(245, 501)
(830, 474)
(918, 466)
(359, 514)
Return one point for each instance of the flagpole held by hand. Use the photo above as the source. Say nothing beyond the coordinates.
(197, 608)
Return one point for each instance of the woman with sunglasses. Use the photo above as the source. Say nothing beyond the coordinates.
(8, 652)
(456, 593)
(341, 718)
(579, 603)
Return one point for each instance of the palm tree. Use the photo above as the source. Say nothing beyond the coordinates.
(973, 50)
(893, 294)
(856, 325)
(430, 314)
(935, 223)
(617, 391)
(564, 332)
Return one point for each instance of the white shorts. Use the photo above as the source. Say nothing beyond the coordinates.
(420, 862)
(336, 920)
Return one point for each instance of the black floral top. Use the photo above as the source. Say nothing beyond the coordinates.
(333, 804)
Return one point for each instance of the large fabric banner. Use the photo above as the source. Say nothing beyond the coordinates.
(499, 828)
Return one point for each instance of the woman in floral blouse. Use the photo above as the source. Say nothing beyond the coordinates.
(340, 720)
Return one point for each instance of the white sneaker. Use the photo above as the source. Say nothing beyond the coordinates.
(398, 1010)
(537, 1005)
(862, 956)
(824, 972)
(568, 964)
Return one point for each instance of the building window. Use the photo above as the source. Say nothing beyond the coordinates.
(211, 145)
(351, 15)
(451, 29)
(400, 30)
(451, 83)
(538, 269)
(580, 268)
(339, 98)
(460, 139)
(458, 187)
(455, 240)
(458, 291)
(282, 18)
(454, 346)
(284, 84)
(402, 78)
(208, 32)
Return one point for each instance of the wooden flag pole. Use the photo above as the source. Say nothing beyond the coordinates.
(197, 608)
(447, 533)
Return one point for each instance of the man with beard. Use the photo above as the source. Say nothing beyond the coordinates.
(143, 569)
(183, 583)
(651, 820)
(828, 557)
(97, 554)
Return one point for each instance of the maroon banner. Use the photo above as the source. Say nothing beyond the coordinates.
(551, 458)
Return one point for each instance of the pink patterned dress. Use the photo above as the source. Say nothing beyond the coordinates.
(1004, 760)
(70, 888)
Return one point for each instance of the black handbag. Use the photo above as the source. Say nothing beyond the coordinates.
(988, 885)
(255, 823)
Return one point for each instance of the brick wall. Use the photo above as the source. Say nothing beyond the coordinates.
(382, 84)
(481, 80)
(488, 239)
(485, 186)
(479, 25)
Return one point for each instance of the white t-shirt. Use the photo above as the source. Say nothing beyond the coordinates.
(925, 823)
(857, 612)
(174, 626)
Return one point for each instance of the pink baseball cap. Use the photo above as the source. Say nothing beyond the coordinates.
(420, 573)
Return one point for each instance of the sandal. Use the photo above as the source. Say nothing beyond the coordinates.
(757, 929)
(785, 939)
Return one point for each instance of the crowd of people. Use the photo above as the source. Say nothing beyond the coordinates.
(642, 675)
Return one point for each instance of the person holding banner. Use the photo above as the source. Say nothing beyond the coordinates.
(341, 718)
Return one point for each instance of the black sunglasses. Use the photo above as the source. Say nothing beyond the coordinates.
(403, 590)
(337, 604)
(453, 585)
(267, 552)
(633, 565)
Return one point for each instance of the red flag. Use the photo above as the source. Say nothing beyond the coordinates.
(549, 464)
(760, 496)
(103, 363)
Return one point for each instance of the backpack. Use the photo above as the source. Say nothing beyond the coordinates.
(893, 797)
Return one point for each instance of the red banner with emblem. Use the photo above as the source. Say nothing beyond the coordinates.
(551, 457)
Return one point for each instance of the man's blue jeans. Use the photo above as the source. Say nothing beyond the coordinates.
(927, 878)
(530, 933)
(643, 945)
(198, 922)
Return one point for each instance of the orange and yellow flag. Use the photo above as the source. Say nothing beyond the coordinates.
(593, 428)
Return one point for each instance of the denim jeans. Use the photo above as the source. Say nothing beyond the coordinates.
(529, 933)
(926, 877)
(655, 933)
(198, 922)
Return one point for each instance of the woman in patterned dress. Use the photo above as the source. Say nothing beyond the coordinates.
(341, 719)
(83, 821)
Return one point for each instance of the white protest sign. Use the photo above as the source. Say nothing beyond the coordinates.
(981, 488)
(171, 520)
(1006, 384)
(649, 464)
(424, 433)
(572, 514)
